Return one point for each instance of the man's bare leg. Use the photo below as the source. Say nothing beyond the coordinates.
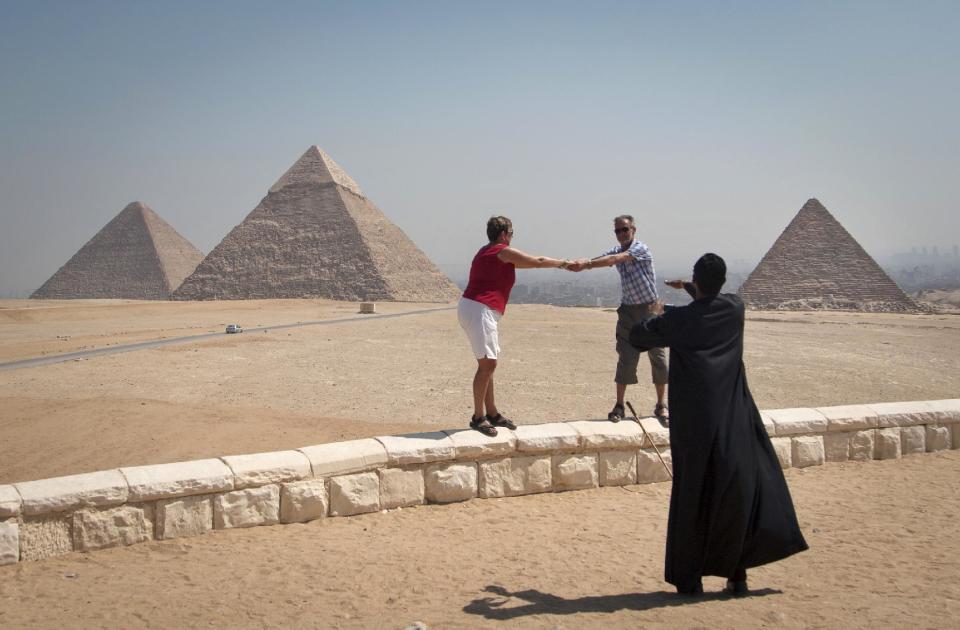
(661, 393)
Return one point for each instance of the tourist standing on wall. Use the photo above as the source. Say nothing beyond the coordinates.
(484, 301)
(638, 285)
(730, 508)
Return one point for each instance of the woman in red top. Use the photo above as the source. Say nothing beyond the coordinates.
(492, 275)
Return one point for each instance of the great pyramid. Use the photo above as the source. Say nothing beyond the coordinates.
(817, 264)
(314, 235)
(136, 256)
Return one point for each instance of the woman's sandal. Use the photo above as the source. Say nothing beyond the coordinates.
(617, 414)
(501, 420)
(483, 426)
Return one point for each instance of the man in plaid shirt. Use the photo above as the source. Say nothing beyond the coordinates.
(638, 282)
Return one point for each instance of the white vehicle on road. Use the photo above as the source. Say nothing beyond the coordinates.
(234, 328)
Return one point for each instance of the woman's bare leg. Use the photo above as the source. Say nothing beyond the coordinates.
(482, 382)
(489, 402)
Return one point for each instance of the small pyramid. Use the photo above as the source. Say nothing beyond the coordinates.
(816, 264)
(135, 256)
(315, 235)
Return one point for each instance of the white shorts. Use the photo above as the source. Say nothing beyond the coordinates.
(479, 321)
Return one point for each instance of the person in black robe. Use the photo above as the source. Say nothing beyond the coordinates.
(730, 508)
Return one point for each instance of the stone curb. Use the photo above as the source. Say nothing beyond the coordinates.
(166, 481)
(10, 501)
(49, 517)
(59, 494)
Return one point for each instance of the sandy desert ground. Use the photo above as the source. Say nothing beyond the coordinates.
(884, 543)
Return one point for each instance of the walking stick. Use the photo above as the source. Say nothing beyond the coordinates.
(647, 435)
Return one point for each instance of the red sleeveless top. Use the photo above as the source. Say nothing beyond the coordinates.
(490, 278)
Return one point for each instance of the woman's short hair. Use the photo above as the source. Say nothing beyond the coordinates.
(496, 226)
(710, 272)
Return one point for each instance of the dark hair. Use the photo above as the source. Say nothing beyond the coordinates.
(710, 272)
(624, 217)
(497, 226)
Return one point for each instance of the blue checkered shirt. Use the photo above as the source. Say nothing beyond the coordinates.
(638, 280)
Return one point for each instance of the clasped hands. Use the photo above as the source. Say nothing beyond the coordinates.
(578, 265)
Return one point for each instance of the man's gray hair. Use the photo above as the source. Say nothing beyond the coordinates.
(624, 217)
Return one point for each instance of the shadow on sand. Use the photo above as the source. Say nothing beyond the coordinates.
(544, 603)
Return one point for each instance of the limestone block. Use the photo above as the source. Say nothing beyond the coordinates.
(260, 469)
(400, 488)
(544, 438)
(604, 435)
(618, 468)
(165, 481)
(45, 536)
(849, 417)
(114, 527)
(514, 476)
(913, 440)
(339, 458)
(247, 508)
(836, 446)
(946, 411)
(862, 445)
(183, 517)
(303, 501)
(470, 444)
(575, 472)
(887, 444)
(807, 451)
(9, 541)
(903, 414)
(417, 448)
(355, 494)
(797, 421)
(656, 433)
(783, 447)
(9, 501)
(768, 423)
(649, 467)
(937, 438)
(97, 489)
(955, 441)
(445, 483)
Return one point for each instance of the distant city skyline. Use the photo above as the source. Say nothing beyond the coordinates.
(711, 123)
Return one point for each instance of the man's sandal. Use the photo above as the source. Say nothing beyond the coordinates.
(501, 420)
(617, 414)
(661, 413)
(483, 426)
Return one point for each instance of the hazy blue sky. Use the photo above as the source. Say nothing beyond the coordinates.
(711, 122)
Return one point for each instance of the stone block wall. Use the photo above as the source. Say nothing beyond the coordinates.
(111, 508)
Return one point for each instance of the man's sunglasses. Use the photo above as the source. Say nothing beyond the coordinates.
(621, 230)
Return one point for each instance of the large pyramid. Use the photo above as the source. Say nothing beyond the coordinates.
(315, 234)
(136, 256)
(817, 264)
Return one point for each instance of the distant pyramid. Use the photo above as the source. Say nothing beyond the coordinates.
(316, 235)
(136, 256)
(817, 264)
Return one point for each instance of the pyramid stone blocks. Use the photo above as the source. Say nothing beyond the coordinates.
(817, 264)
(315, 235)
(135, 256)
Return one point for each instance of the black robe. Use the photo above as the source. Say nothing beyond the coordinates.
(729, 506)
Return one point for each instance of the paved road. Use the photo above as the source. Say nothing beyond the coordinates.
(143, 345)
